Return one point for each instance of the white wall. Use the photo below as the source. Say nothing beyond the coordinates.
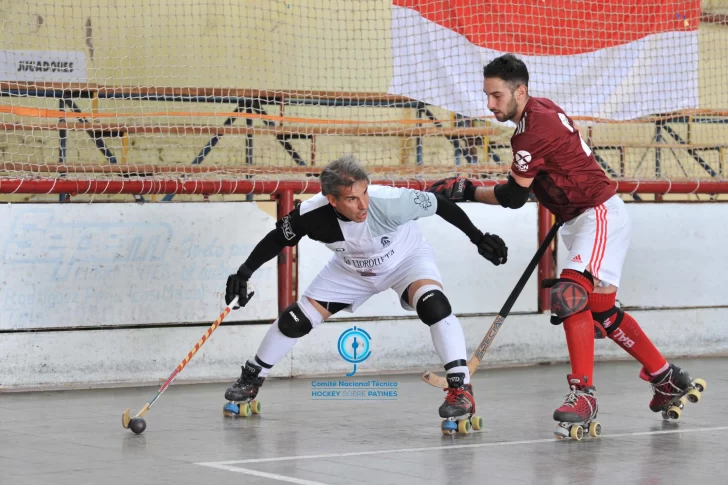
(111, 265)
(120, 264)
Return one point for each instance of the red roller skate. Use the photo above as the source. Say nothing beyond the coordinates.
(672, 389)
(578, 412)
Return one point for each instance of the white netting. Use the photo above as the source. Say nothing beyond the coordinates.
(119, 90)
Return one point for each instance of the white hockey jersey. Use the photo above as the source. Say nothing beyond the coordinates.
(373, 246)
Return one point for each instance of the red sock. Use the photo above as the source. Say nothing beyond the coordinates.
(580, 341)
(579, 329)
(629, 335)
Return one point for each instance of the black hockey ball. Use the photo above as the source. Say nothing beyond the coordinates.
(138, 425)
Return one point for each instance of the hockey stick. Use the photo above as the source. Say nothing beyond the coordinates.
(137, 423)
(439, 381)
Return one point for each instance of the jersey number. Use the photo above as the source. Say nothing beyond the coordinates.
(565, 122)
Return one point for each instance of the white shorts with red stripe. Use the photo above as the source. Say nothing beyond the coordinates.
(599, 239)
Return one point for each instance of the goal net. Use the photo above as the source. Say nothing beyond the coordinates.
(223, 96)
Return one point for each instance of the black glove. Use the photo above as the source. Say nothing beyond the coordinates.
(492, 248)
(238, 285)
(454, 188)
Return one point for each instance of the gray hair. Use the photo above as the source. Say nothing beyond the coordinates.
(342, 172)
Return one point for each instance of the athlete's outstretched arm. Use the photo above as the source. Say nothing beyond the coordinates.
(288, 232)
(512, 194)
(449, 210)
(490, 246)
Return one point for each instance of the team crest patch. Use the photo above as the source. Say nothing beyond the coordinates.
(422, 200)
(522, 158)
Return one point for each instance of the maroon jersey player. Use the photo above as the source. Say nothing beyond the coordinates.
(551, 159)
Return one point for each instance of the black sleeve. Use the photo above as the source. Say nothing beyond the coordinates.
(452, 213)
(267, 249)
(288, 231)
(291, 228)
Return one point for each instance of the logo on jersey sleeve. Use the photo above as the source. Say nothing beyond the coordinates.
(287, 228)
(522, 158)
(422, 200)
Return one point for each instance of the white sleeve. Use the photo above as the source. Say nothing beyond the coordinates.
(413, 204)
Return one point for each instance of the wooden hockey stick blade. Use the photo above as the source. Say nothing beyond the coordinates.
(125, 419)
(438, 381)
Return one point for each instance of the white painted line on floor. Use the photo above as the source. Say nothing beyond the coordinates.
(215, 464)
(256, 473)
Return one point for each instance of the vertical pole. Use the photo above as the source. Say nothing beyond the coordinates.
(547, 265)
(313, 150)
(249, 145)
(658, 154)
(63, 143)
(418, 140)
(284, 205)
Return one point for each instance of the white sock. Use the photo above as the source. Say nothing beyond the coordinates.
(274, 347)
(449, 340)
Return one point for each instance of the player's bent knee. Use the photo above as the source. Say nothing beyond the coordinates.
(432, 305)
(569, 294)
(298, 319)
(293, 323)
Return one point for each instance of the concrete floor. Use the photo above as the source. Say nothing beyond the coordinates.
(76, 437)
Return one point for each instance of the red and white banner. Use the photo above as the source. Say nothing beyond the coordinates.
(616, 59)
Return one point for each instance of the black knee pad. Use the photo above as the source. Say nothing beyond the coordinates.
(607, 322)
(293, 323)
(433, 306)
(569, 294)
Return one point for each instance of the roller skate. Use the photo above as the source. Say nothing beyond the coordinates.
(672, 389)
(459, 407)
(579, 411)
(242, 393)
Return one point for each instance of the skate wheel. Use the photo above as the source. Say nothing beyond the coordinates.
(255, 407)
(562, 431)
(464, 426)
(683, 402)
(595, 429)
(244, 410)
(674, 412)
(230, 410)
(476, 422)
(693, 395)
(700, 385)
(576, 432)
(665, 416)
(448, 427)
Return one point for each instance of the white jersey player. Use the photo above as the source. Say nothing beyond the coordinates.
(377, 246)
